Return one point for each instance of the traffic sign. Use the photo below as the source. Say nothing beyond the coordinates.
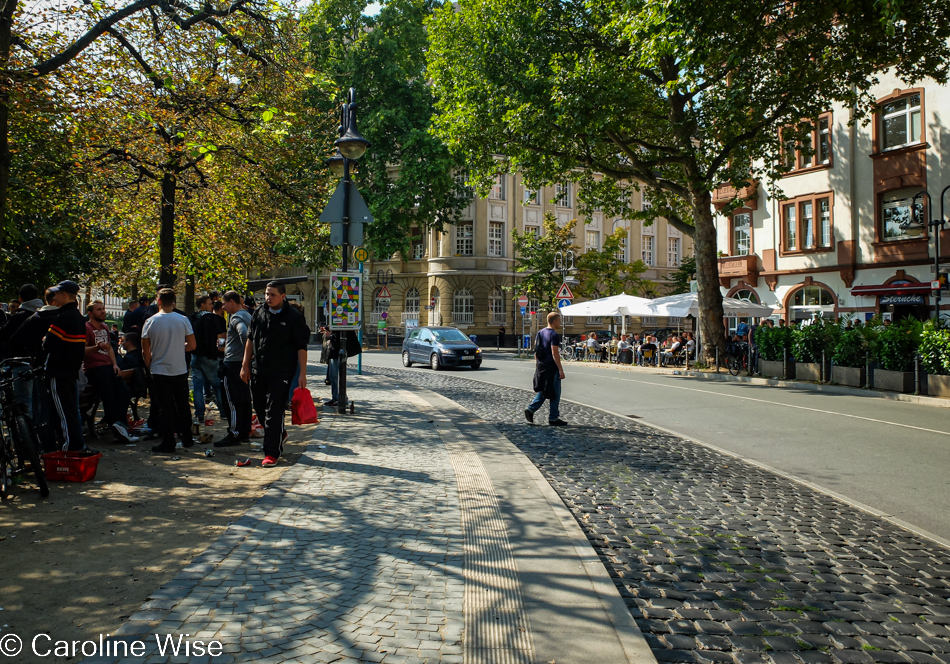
(333, 214)
(935, 284)
(361, 255)
(523, 301)
(381, 325)
(563, 303)
(564, 293)
(384, 315)
(432, 302)
(383, 292)
(523, 310)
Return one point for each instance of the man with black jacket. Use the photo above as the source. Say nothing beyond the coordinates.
(276, 346)
(206, 359)
(65, 348)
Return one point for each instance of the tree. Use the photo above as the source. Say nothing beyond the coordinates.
(684, 274)
(678, 96)
(408, 177)
(604, 272)
(536, 255)
(36, 47)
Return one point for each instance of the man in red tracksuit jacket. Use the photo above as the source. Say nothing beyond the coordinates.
(65, 348)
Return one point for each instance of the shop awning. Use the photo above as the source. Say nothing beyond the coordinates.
(892, 289)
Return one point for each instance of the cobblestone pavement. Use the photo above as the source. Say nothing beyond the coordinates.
(721, 561)
(355, 555)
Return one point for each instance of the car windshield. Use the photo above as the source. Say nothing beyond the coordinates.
(449, 335)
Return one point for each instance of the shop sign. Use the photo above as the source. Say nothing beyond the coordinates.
(902, 299)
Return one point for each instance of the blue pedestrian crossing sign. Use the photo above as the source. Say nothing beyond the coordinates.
(563, 303)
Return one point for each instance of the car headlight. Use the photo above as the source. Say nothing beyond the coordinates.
(446, 351)
(478, 350)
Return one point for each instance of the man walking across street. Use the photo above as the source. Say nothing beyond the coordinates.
(65, 349)
(548, 372)
(205, 360)
(236, 404)
(276, 346)
(102, 371)
(165, 338)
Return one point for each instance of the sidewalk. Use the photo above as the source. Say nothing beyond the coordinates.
(408, 532)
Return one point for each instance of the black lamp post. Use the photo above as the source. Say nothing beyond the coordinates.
(561, 266)
(916, 225)
(350, 146)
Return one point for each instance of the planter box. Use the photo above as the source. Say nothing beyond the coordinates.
(808, 371)
(895, 381)
(771, 369)
(938, 386)
(851, 376)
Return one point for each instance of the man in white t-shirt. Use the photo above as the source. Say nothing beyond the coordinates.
(166, 337)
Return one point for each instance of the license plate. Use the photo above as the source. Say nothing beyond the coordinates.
(467, 359)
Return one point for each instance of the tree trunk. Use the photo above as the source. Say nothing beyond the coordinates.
(6, 32)
(134, 292)
(166, 237)
(711, 325)
(190, 294)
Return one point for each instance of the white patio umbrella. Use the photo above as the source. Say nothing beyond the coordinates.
(685, 304)
(615, 305)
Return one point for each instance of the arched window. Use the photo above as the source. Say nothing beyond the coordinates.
(410, 310)
(811, 301)
(732, 322)
(463, 307)
(496, 306)
(746, 294)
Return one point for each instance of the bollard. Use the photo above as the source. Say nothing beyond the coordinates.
(717, 359)
(784, 364)
(917, 374)
(821, 371)
(867, 371)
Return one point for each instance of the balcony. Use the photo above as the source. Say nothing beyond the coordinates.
(373, 317)
(724, 195)
(463, 317)
(410, 315)
(745, 268)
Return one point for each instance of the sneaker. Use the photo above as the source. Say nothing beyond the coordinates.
(331, 404)
(528, 415)
(557, 423)
(161, 449)
(121, 432)
(188, 443)
(227, 441)
(269, 462)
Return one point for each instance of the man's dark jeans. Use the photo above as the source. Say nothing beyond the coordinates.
(113, 392)
(174, 413)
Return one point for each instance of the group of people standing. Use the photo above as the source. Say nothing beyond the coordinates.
(248, 361)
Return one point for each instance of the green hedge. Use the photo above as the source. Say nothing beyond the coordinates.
(773, 343)
(818, 337)
(935, 348)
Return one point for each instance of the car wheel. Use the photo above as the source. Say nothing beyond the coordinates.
(406, 362)
(435, 362)
(477, 365)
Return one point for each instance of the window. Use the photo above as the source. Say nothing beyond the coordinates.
(732, 322)
(646, 245)
(824, 222)
(498, 189)
(900, 122)
(813, 150)
(532, 196)
(418, 246)
(465, 238)
(808, 224)
(496, 239)
(791, 227)
(896, 212)
(460, 180)
(532, 230)
(622, 251)
(592, 240)
(741, 234)
(673, 251)
(411, 308)
(562, 195)
(496, 307)
(811, 301)
(463, 307)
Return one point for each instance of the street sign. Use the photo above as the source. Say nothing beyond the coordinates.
(361, 255)
(384, 316)
(564, 293)
(383, 292)
(432, 302)
(523, 301)
(935, 284)
(524, 310)
(563, 303)
(346, 289)
(381, 325)
(333, 214)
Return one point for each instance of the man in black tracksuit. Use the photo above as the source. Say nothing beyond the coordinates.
(65, 348)
(276, 346)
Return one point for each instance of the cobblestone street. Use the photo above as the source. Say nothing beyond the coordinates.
(719, 560)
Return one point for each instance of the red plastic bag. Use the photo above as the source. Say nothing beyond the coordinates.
(303, 411)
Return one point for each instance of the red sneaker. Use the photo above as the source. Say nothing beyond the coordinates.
(269, 462)
(209, 421)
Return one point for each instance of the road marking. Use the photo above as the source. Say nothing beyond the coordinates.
(787, 405)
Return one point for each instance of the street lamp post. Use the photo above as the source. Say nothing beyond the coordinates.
(350, 146)
(915, 226)
(564, 265)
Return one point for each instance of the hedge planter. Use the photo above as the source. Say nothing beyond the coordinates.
(771, 369)
(851, 376)
(938, 386)
(808, 371)
(895, 381)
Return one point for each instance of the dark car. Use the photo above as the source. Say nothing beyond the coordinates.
(440, 347)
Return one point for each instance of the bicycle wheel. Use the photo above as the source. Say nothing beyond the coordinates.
(567, 353)
(26, 443)
(732, 363)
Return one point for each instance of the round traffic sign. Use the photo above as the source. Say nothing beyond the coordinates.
(523, 301)
(432, 302)
(361, 255)
(384, 315)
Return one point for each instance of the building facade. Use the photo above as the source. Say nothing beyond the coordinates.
(837, 244)
(463, 276)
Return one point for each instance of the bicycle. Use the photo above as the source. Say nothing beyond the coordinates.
(738, 358)
(19, 444)
(567, 352)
